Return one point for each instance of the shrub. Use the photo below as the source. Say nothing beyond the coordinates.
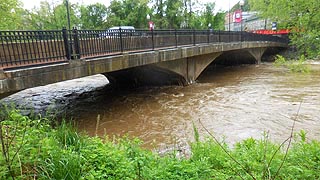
(298, 66)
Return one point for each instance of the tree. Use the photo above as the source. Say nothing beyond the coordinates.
(219, 21)
(207, 18)
(300, 16)
(209, 15)
(116, 13)
(245, 7)
(158, 18)
(128, 12)
(51, 16)
(174, 13)
(93, 16)
(11, 15)
(40, 18)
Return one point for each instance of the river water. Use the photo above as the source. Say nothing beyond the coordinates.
(233, 103)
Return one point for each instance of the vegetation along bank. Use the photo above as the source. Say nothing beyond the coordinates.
(32, 149)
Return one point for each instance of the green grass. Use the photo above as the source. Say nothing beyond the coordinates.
(36, 150)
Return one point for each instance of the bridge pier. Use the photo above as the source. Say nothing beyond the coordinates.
(257, 53)
(189, 68)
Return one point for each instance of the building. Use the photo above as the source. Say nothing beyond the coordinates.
(245, 21)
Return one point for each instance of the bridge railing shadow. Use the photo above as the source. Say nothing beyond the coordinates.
(32, 48)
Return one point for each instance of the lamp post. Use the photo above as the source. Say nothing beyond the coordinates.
(241, 4)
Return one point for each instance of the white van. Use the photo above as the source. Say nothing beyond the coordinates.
(114, 31)
(130, 28)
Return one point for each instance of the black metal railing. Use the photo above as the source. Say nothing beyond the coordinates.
(22, 48)
(19, 48)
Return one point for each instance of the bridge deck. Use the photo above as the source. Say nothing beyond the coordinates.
(32, 48)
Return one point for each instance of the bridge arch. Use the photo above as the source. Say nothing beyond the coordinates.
(148, 75)
(235, 57)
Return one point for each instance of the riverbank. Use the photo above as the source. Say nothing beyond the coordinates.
(32, 149)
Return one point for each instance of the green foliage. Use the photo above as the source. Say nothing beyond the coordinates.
(11, 15)
(128, 12)
(158, 18)
(297, 166)
(36, 149)
(280, 61)
(20, 137)
(245, 7)
(166, 14)
(67, 137)
(256, 155)
(208, 14)
(174, 13)
(196, 133)
(300, 16)
(218, 22)
(297, 66)
(51, 17)
(93, 16)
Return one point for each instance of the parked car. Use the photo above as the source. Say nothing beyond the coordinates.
(115, 31)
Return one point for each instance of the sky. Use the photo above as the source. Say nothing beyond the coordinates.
(220, 4)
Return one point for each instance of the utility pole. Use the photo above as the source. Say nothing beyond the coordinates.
(229, 16)
(68, 14)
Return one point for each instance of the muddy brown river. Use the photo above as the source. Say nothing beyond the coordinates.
(233, 103)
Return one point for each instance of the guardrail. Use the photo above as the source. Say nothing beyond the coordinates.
(25, 48)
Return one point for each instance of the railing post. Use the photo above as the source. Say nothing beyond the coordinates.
(152, 36)
(66, 43)
(176, 37)
(219, 36)
(208, 36)
(243, 36)
(121, 45)
(194, 37)
(76, 43)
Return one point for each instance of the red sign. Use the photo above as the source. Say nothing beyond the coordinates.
(151, 25)
(237, 16)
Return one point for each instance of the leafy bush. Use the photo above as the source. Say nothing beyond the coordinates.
(298, 66)
(280, 61)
